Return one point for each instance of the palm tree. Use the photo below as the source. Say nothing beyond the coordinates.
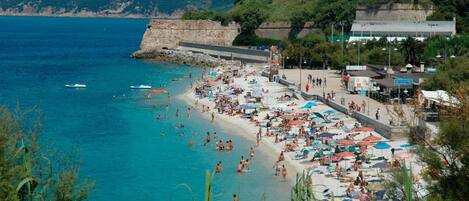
(409, 46)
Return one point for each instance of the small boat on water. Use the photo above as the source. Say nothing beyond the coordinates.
(141, 87)
(75, 85)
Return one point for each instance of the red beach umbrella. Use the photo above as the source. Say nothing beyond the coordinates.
(296, 123)
(372, 138)
(346, 154)
(287, 116)
(364, 143)
(363, 129)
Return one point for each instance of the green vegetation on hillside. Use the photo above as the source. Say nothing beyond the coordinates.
(123, 7)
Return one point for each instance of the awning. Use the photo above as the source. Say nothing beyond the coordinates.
(440, 97)
(389, 83)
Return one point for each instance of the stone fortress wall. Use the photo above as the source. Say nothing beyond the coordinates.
(394, 12)
(168, 33)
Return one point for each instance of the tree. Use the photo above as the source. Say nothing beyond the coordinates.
(400, 185)
(412, 50)
(446, 155)
(250, 14)
(26, 171)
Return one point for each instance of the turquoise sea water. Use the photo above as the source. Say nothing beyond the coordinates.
(113, 127)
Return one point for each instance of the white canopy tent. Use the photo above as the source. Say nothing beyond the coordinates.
(438, 97)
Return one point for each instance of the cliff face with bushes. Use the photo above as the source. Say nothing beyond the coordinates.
(108, 8)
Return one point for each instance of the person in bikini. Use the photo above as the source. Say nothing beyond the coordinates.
(207, 139)
(218, 168)
(284, 172)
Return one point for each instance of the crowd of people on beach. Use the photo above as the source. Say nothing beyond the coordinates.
(331, 144)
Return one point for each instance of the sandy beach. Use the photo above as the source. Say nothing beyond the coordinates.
(324, 178)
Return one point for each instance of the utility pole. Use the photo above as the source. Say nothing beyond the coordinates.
(342, 38)
(301, 61)
(332, 33)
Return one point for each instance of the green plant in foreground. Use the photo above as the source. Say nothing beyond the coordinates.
(208, 186)
(302, 190)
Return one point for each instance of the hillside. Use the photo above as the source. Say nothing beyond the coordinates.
(117, 8)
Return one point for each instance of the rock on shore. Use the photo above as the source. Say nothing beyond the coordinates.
(183, 57)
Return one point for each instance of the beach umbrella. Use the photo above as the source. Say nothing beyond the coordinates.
(319, 115)
(329, 112)
(381, 165)
(382, 145)
(345, 142)
(296, 123)
(372, 138)
(353, 148)
(288, 116)
(310, 104)
(248, 106)
(326, 135)
(364, 143)
(319, 125)
(406, 146)
(345, 154)
(363, 129)
(403, 155)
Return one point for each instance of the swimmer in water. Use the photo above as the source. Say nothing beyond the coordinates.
(251, 153)
(177, 113)
(215, 135)
(207, 139)
(158, 117)
(179, 126)
(169, 98)
(218, 168)
(162, 133)
(182, 134)
(239, 169)
(235, 197)
(246, 164)
(188, 112)
(191, 143)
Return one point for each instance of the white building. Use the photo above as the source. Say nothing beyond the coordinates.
(400, 30)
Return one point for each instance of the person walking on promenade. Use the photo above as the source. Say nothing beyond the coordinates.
(377, 114)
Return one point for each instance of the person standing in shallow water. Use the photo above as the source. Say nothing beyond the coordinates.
(213, 117)
(207, 139)
(218, 168)
(235, 197)
(284, 173)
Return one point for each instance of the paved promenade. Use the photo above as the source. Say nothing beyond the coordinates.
(333, 83)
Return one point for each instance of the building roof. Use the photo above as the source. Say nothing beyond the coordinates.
(389, 83)
(367, 26)
(440, 97)
(363, 73)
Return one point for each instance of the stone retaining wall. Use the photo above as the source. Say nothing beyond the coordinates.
(394, 11)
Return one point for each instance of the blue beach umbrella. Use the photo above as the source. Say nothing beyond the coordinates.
(382, 145)
(248, 106)
(329, 112)
(310, 104)
(326, 135)
(381, 165)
